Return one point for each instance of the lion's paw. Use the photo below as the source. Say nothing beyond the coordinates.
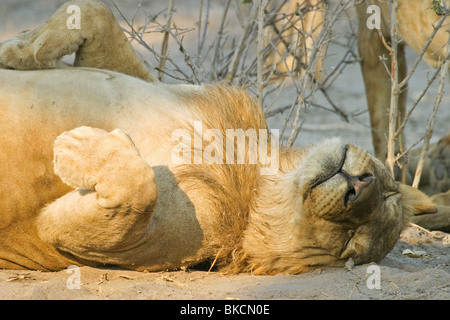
(16, 53)
(85, 156)
(440, 165)
(26, 51)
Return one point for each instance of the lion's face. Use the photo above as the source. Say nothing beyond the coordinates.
(350, 205)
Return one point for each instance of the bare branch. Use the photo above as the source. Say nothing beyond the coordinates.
(241, 46)
(260, 51)
(424, 49)
(162, 62)
(429, 133)
(395, 89)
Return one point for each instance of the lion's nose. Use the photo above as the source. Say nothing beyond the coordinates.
(356, 185)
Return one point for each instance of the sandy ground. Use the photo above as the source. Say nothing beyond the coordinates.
(400, 277)
(425, 274)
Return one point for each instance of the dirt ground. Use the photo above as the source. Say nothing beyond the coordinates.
(400, 277)
(422, 274)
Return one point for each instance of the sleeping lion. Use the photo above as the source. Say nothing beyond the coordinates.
(88, 173)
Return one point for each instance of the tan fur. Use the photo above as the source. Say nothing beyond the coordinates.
(416, 20)
(299, 30)
(75, 190)
(44, 46)
(311, 13)
(435, 181)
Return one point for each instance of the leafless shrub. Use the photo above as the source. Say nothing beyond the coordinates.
(268, 52)
(395, 131)
(273, 48)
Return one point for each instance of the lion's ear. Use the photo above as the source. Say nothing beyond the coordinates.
(415, 202)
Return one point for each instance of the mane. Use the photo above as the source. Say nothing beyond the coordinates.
(267, 240)
(221, 108)
(241, 185)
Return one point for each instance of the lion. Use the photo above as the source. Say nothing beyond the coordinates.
(416, 21)
(88, 175)
(292, 33)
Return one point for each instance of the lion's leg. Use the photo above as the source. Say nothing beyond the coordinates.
(435, 176)
(98, 41)
(377, 81)
(313, 24)
(108, 215)
(440, 166)
(435, 181)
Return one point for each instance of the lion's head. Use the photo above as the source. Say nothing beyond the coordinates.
(343, 204)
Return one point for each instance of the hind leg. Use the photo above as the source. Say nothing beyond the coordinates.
(98, 41)
(377, 81)
(436, 182)
(109, 212)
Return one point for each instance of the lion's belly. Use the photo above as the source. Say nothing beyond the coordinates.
(37, 106)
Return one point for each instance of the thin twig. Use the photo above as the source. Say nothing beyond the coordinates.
(241, 46)
(219, 38)
(320, 44)
(165, 43)
(413, 107)
(259, 52)
(395, 90)
(429, 133)
(202, 38)
(232, 60)
(215, 259)
(424, 49)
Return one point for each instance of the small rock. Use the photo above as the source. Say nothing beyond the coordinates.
(350, 264)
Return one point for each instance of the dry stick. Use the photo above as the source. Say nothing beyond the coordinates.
(336, 109)
(321, 85)
(419, 58)
(325, 43)
(395, 90)
(400, 155)
(162, 62)
(338, 68)
(135, 12)
(411, 110)
(202, 36)
(291, 107)
(413, 69)
(278, 89)
(199, 27)
(245, 75)
(297, 89)
(219, 39)
(187, 58)
(301, 95)
(322, 39)
(135, 35)
(396, 87)
(241, 46)
(215, 259)
(429, 133)
(268, 72)
(260, 52)
(270, 113)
